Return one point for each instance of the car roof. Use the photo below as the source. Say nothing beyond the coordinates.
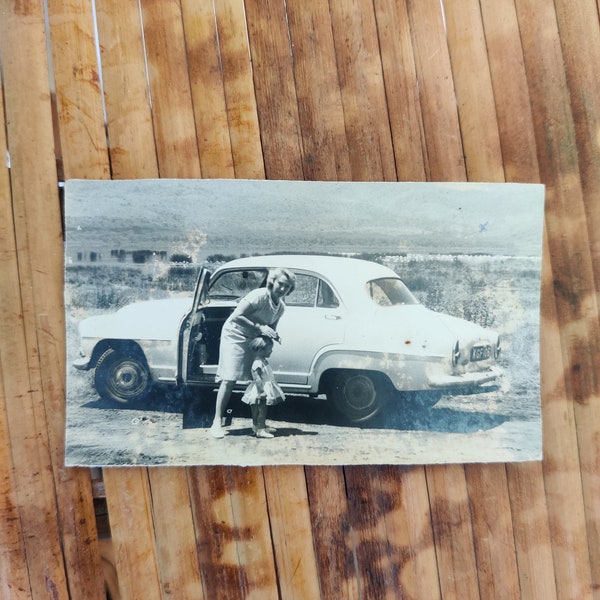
(345, 273)
(325, 264)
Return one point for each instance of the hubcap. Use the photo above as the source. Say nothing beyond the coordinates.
(359, 392)
(129, 377)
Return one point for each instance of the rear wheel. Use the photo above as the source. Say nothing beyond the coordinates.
(122, 376)
(358, 395)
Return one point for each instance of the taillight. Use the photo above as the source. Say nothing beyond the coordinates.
(455, 354)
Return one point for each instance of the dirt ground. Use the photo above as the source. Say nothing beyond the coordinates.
(172, 429)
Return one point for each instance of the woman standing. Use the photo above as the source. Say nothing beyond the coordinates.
(257, 314)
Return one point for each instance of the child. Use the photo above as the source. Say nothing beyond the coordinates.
(264, 390)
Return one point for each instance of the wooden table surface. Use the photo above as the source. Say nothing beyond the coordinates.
(420, 90)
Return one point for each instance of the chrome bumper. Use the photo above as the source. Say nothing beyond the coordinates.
(466, 379)
(82, 363)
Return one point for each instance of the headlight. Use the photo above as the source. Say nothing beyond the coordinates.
(455, 354)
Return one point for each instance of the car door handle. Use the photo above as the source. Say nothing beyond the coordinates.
(333, 317)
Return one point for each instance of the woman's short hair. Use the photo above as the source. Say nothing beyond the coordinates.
(279, 273)
(260, 343)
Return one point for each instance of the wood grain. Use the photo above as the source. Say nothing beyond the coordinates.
(572, 270)
(244, 129)
(217, 533)
(330, 521)
(78, 95)
(360, 77)
(170, 93)
(493, 533)
(14, 579)
(125, 90)
(529, 509)
(207, 87)
(436, 93)
(174, 534)
(55, 507)
(291, 532)
(453, 531)
(531, 530)
(232, 529)
(325, 154)
(276, 101)
(402, 93)
(495, 90)
(575, 23)
(392, 540)
(511, 93)
(473, 90)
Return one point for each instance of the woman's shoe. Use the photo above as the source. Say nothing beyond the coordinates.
(217, 431)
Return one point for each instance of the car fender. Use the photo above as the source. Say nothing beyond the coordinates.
(405, 371)
(160, 355)
(150, 326)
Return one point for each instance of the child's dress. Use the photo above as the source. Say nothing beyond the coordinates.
(263, 374)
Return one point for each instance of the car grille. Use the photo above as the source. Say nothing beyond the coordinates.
(480, 353)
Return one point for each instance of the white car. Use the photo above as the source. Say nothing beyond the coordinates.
(351, 330)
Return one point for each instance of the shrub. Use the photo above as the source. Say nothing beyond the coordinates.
(180, 258)
(220, 258)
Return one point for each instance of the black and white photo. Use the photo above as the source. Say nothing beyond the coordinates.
(279, 322)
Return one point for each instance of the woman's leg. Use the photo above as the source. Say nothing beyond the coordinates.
(223, 396)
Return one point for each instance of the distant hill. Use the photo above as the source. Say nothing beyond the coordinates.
(234, 217)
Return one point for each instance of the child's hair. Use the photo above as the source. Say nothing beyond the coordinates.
(261, 343)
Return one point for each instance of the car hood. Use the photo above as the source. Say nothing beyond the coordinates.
(415, 329)
(151, 320)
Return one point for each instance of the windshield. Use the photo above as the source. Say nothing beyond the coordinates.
(389, 291)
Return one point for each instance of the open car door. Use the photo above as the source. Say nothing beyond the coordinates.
(190, 329)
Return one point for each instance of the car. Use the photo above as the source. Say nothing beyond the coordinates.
(351, 332)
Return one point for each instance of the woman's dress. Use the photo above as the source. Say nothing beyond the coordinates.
(235, 356)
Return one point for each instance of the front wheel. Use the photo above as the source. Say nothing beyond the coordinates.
(122, 377)
(358, 395)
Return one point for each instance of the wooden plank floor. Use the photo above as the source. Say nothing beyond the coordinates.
(407, 90)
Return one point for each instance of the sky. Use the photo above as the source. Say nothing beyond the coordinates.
(243, 216)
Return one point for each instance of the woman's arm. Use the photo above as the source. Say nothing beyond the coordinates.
(243, 315)
(239, 315)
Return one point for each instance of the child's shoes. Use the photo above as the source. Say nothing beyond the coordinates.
(267, 429)
(263, 433)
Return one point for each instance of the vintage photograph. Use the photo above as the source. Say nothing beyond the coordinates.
(292, 322)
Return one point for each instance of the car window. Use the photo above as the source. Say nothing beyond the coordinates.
(305, 293)
(235, 284)
(389, 291)
(326, 297)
